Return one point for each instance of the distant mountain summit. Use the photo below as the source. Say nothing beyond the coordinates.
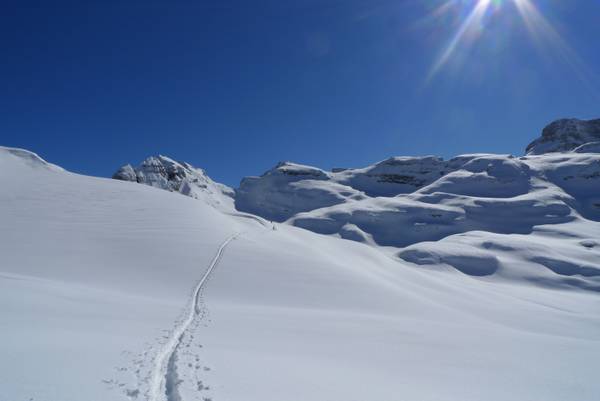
(567, 135)
(165, 173)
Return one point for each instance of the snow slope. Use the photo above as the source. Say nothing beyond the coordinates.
(116, 291)
(445, 214)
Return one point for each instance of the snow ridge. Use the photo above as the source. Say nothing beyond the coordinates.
(29, 158)
(163, 384)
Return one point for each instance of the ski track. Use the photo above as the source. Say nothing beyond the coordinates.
(164, 377)
(260, 220)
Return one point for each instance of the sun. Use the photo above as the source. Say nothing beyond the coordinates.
(472, 19)
(474, 16)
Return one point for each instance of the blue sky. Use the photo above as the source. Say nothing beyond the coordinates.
(235, 86)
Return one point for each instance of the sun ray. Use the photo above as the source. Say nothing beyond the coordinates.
(473, 19)
(544, 35)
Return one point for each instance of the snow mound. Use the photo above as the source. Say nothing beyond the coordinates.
(552, 257)
(165, 173)
(501, 176)
(25, 157)
(405, 220)
(491, 194)
(289, 189)
(565, 135)
(577, 175)
(393, 176)
(420, 204)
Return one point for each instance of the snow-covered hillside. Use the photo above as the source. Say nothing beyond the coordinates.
(470, 279)
(289, 189)
(532, 218)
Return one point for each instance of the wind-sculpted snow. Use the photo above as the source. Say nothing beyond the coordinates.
(577, 174)
(487, 176)
(291, 188)
(565, 257)
(168, 174)
(394, 176)
(22, 156)
(408, 219)
(495, 194)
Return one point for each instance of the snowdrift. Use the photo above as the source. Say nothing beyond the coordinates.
(418, 205)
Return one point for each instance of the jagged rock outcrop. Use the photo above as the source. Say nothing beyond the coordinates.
(125, 173)
(165, 173)
(566, 135)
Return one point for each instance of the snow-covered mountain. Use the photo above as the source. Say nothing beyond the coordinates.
(503, 213)
(566, 135)
(168, 174)
(289, 188)
(427, 207)
(479, 274)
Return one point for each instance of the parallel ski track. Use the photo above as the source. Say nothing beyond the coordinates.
(162, 366)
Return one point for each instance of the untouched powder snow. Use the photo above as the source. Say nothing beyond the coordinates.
(110, 290)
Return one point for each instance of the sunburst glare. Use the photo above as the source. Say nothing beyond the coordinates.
(475, 15)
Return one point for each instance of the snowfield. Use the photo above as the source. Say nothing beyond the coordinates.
(480, 284)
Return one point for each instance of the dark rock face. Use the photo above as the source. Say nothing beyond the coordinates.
(565, 135)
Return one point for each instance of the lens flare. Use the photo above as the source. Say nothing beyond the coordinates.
(475, 15)
(473, 20)
(545, 36)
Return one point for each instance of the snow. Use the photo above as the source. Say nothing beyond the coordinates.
(112, 290)
(288, 189)
(565, 135)
(168, 174)
(502, 197)
(394, 176)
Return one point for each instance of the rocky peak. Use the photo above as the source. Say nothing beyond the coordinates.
(165, 173)
(565, 135)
